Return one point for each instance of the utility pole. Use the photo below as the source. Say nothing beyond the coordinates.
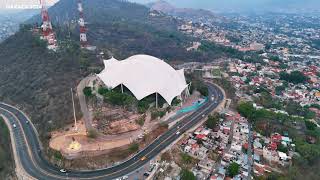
(74, 112)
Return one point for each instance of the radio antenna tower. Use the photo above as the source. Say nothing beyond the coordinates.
(47, 31)
(83, 30)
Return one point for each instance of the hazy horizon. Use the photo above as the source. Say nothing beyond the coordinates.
(213, 5)
(244, 5)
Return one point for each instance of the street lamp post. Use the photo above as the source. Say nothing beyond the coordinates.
(74, 112)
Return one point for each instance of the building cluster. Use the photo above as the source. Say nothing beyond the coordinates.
(204, 32)
(216, 149)
(245, 75)
(234, 151)
(7, 27)
(288, 36)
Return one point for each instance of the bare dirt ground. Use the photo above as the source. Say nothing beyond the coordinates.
(73, 144)
(111, 120)
(123, 126)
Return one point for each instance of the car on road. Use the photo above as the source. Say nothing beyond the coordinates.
(151, 167)
(146, 174)
(143, 158)
(27, 122)
(14, 125)
(63, 170)
(177, 133)
(123, 178)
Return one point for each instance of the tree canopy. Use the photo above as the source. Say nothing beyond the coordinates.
(87, 91)
(185, 174)
(294, 77)
(233, 169)
(212, 121)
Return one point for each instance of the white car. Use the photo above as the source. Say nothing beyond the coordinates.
(177, 133)
(14, 125)
(63, 170)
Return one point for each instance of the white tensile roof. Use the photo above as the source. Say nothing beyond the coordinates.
(144, 75)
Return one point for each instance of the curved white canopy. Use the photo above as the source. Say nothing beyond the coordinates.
(144, 75)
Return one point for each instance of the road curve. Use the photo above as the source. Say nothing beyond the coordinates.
(32, 159)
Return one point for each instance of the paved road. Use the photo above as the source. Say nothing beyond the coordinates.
(32, 159)
(87, 116)
(250, 151)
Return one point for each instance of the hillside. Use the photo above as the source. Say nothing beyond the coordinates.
(185, 13)
(39, 81)
(124, 29)
(6, 159)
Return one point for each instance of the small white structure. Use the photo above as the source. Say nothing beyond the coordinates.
(282, 156)
(144, 75)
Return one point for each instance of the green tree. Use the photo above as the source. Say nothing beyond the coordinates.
(233, 169)
(143, 106)
(212, 121)
(310, 125)
(87, 91)
(295, 77)
(246, 109)
(282, 148)
(103, 90)
(185, 174)
(279, 90)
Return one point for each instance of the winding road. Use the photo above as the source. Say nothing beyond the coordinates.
(32, 160)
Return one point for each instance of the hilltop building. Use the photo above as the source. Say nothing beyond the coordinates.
(144, 75)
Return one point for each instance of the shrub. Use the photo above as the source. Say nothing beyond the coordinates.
(186, 159)
(134, 147)
(140, 121)
(92, 133)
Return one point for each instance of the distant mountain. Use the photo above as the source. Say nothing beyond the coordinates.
(229, 6)
(186, 13)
